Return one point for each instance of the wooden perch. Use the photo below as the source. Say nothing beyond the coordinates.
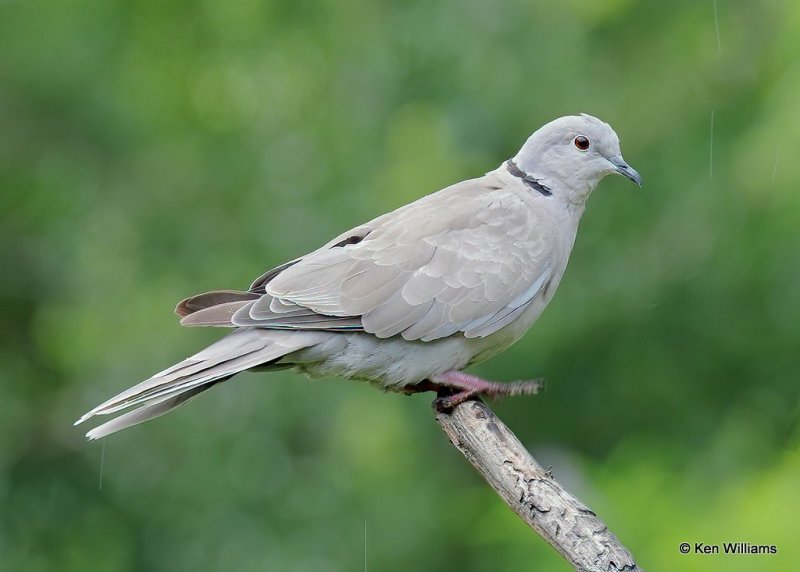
(531, 491)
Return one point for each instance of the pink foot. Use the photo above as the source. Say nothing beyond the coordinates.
(467, 386)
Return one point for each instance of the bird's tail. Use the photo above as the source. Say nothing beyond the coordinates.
(241, 350)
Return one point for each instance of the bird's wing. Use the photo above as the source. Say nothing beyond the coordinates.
(469, 259)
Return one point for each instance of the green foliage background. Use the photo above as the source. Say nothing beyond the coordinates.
(151, 150)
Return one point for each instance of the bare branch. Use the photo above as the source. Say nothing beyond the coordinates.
(532, 492)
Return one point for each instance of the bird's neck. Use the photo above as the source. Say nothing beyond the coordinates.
(558, 186)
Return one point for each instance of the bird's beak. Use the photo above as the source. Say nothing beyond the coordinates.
(621, 167)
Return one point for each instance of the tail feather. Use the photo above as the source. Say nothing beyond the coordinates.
(147, 412)
(243, 349)
(248, 359)
(199, 365)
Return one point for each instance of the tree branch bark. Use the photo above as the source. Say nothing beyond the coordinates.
(563, 521)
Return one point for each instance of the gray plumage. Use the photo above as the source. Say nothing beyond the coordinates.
(437, 285)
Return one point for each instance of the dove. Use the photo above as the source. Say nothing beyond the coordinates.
(411, 299)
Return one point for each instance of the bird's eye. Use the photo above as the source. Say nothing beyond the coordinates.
(581, 143)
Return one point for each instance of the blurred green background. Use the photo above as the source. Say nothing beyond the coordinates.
(152, 150)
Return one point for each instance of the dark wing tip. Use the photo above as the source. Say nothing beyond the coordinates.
(217, 315)
(192, 304)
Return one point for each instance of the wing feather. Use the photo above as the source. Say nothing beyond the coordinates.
(470, 258)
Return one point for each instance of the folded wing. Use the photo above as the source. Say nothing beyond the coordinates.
(470, 259)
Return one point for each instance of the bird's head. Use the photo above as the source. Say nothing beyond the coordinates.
(572, 154)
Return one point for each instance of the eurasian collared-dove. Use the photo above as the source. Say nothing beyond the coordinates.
(410, 299)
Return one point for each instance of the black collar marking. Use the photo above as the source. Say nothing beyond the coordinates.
(528, 179)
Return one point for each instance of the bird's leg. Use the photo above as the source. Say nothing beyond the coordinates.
(466, 386)
(446, 397)
(447, 401)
